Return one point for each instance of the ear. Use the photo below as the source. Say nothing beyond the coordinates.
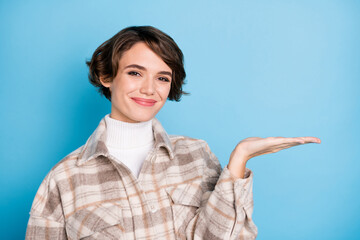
(104, 83)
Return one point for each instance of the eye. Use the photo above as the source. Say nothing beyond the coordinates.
(133, 73)
(164, 79)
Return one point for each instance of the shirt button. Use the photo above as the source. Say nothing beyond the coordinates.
(153, 208)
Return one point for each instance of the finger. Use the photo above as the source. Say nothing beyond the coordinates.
(284, 140)
(294, 139)
(290, 143)
(301, 140)
(253, 138)
(278, 147)
(286, 145)
(274, 149)
(275, 144)
(281, 146)
(310, 139)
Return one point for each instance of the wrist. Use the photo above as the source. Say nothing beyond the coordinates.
(237, 166)
(238, 158)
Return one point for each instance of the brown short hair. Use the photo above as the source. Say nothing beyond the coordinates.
(105, 60)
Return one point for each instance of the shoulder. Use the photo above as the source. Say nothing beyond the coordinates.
(196, 147)
(48, 193)
(194, 152)
(181, 141)
(64, 166)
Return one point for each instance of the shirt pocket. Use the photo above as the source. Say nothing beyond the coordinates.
(185, 201)
(99, 221)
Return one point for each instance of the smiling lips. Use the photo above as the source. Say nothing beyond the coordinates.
(144, 102)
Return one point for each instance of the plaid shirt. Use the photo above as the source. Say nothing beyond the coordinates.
(181, 193)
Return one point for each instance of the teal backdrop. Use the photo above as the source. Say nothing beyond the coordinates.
(254, 68)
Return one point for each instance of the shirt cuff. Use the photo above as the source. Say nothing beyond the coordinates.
(236, 189)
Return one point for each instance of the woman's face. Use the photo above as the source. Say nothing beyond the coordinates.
(141, 86)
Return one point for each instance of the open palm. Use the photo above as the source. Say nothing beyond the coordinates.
(256, 146)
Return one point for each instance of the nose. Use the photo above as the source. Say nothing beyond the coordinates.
(148, 87)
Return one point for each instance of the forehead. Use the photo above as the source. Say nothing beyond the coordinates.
(141, 54)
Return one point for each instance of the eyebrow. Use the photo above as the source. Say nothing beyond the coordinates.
(144, 69)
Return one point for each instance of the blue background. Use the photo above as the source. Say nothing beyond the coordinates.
(254, 68)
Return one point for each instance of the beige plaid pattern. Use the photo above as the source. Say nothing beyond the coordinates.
(181, 193)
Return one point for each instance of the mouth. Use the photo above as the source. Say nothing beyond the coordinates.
(144, 102)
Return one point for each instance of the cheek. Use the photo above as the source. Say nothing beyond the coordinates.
(164, 91)
(125, 86)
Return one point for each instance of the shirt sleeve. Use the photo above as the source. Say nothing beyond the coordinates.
(227, 204)
(46, 216)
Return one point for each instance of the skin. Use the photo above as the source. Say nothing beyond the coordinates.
(150, 83)
(256, 146)
(153, 81)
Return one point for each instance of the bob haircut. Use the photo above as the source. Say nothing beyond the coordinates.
(105, 60)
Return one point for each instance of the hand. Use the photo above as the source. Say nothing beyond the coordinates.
(256, 146)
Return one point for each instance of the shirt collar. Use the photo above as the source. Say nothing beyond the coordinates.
(95, 145)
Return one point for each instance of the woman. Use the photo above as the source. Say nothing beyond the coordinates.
(131, 180)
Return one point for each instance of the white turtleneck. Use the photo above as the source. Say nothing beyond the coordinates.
(129, 143)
